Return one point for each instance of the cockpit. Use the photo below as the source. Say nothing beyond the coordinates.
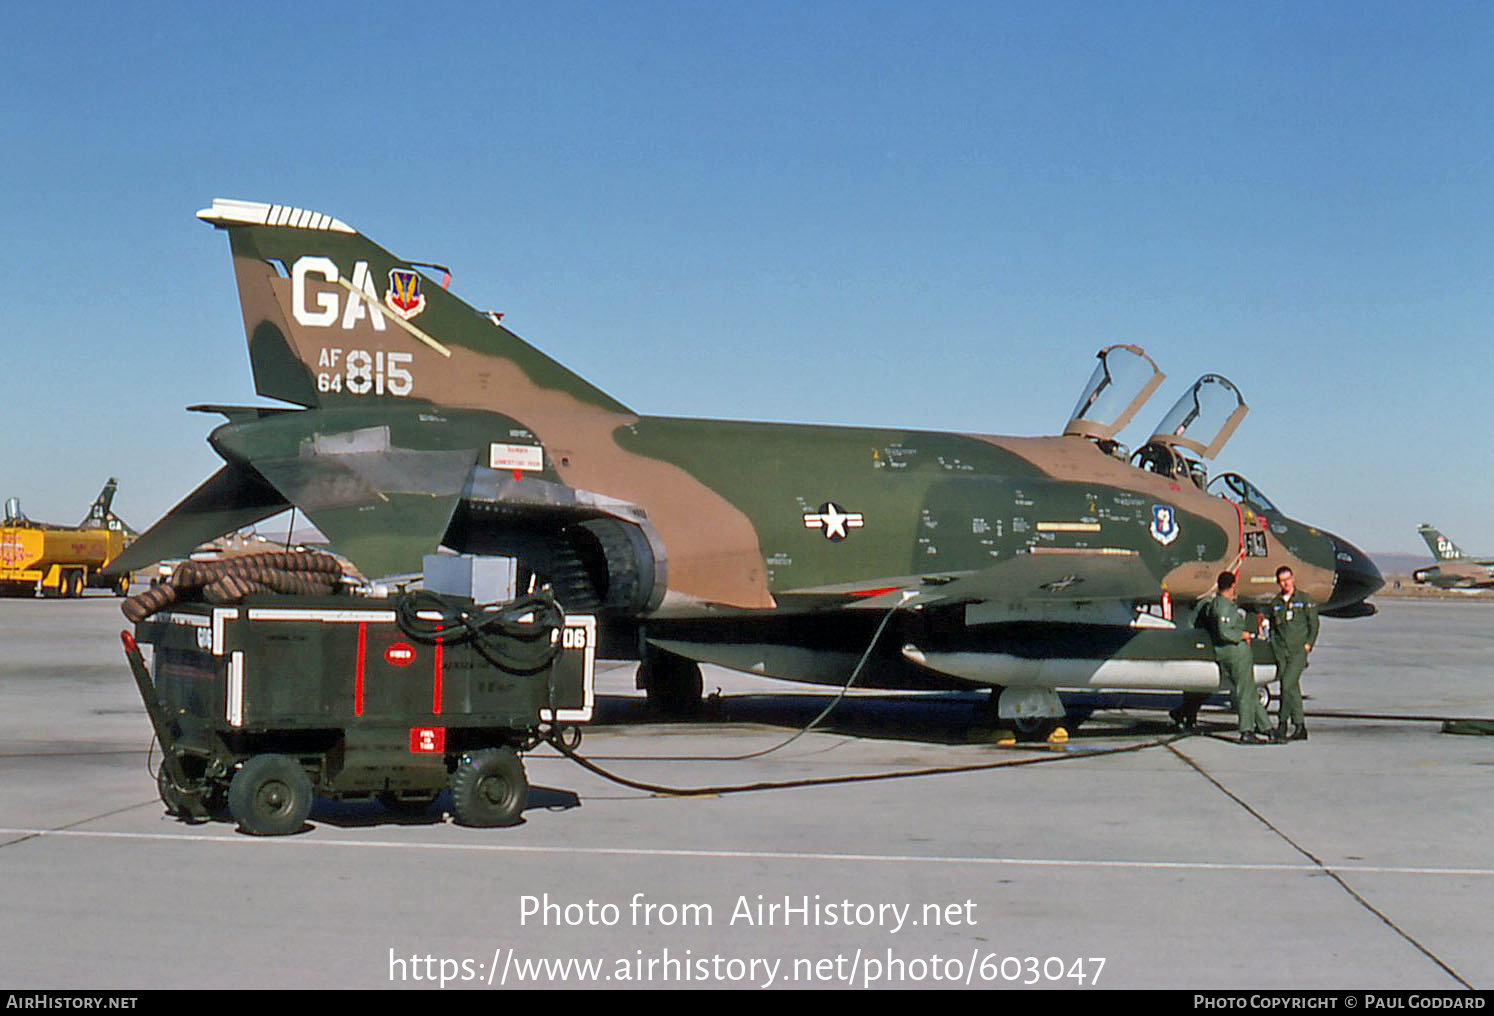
(1234, 487)
(1195, 428)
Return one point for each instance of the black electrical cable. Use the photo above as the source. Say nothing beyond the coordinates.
(555, 741)
(519, 637)
(855, 673)
(822, 781)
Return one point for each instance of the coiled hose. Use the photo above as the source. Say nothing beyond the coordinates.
(520, 637)
(230, 580)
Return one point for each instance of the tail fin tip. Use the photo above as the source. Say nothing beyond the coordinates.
(233, 212)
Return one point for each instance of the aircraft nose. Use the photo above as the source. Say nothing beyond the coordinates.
(1355, 578)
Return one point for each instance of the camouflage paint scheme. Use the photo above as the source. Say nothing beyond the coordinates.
(1454, 569)
(775, 548)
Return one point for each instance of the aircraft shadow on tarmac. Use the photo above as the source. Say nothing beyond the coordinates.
(931, 719)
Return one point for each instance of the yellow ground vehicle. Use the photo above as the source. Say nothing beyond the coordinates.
(62, 560)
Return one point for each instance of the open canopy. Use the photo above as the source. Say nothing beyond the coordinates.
(1122, 382)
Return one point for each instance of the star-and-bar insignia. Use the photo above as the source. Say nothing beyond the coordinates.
(834, 521)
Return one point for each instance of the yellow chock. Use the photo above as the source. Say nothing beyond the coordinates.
(1005, 737)
(1060, 735)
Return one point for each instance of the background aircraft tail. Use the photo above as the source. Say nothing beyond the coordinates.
(1443, 549)
(333, 318)
(100, 514)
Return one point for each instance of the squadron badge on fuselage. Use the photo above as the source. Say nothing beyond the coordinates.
(1164, 528)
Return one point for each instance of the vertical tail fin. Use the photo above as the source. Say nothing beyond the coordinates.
(98, 512)
(333, 318)
(1443, 549)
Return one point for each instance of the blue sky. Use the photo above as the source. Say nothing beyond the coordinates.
(922, 215)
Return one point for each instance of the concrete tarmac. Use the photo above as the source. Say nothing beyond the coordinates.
(1358, 859)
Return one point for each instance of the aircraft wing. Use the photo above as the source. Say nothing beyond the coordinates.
(1074, 611)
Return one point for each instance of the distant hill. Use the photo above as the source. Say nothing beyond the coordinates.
(1401, 564)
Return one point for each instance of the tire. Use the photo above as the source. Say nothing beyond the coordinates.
(270, 796)
(488, 788)
(1035, 728)
(409, 803)
(75, 588)
(672, 683)
(121, 586)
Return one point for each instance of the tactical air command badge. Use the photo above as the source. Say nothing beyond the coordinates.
(1164, 527)
(834, 521)
(404, 296)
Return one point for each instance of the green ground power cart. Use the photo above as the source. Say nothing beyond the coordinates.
(262, 705)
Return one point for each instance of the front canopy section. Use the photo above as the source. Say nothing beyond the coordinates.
(1125, 378)
(1234, 487)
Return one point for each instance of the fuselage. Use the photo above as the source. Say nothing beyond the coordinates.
(757, 515)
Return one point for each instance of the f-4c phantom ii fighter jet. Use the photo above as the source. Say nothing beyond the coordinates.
(1021, 565)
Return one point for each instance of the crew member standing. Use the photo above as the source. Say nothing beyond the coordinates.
(1294, 630)
(1227, 628)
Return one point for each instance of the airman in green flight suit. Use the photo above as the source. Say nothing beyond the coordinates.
(1294, 630)
(1226, 625)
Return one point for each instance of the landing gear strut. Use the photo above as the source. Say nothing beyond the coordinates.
(1038, 715)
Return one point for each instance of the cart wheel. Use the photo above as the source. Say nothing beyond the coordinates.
(122, 585)
(489, 788)
(409, 803)
(174, 800)
(270, 796)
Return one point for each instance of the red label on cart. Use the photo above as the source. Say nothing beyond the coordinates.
(427, 740)
(399, 655)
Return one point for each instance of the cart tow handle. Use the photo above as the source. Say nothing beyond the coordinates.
(170, 760)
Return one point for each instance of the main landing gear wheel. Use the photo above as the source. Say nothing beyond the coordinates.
(270, 796)
(1036, 728)
(672, 683)
(488, 788)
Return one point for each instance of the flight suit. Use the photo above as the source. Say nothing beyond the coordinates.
(1294, 625)
(1225, 622)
